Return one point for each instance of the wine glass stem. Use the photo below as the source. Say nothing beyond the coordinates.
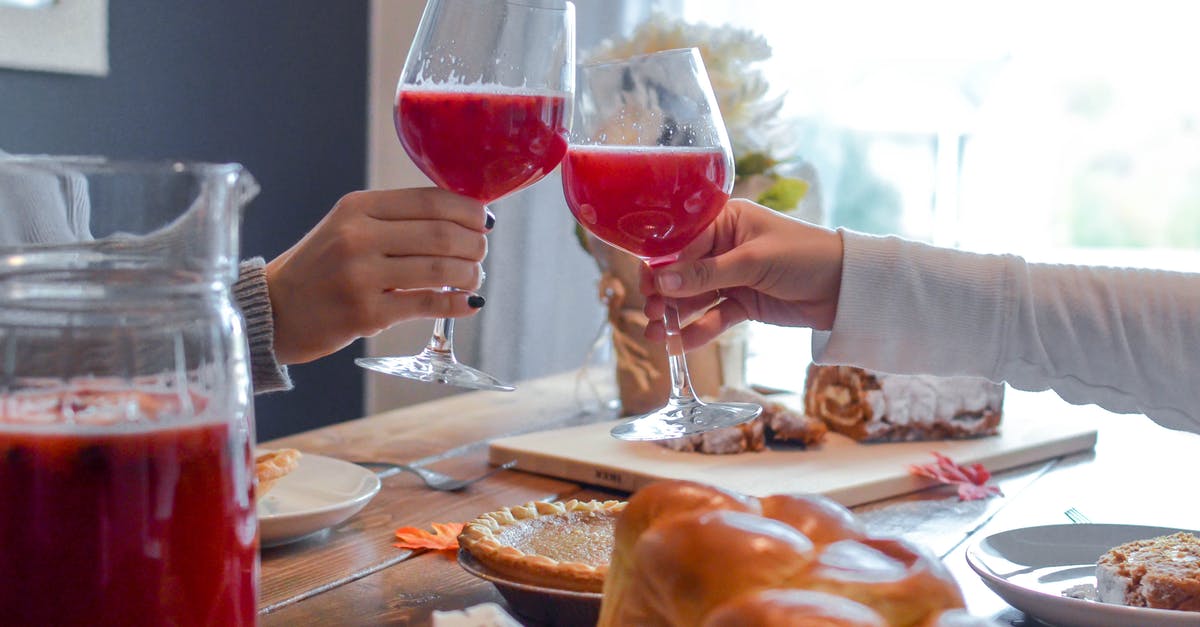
(442, 340)
(681, 382)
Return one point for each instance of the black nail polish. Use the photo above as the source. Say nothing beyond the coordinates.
(475, 301)
(490, 221)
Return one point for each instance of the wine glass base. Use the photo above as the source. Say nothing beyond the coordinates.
(434, 367)
(678, 420)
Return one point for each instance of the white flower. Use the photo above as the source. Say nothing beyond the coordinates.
(730, 54)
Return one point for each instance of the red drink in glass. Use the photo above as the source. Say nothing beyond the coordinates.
(648, 201)
(143, 524)
(482, 144)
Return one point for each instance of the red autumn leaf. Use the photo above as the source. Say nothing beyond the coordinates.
(972, 480)
(443, 538)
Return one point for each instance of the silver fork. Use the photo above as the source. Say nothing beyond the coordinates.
(432, 478)
(1076, 516)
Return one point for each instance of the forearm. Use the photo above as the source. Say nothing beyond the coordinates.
(1128, 340)
(1123, 339)
(251, 297)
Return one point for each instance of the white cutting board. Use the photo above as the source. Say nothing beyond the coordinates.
(1035, 427)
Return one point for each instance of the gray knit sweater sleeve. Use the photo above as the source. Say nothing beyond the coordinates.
(250, 295)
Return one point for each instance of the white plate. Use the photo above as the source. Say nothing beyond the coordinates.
(320, 493)
(1031, 567)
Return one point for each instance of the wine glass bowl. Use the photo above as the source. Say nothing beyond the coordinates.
(497, 141)
(648, 168)
(483, 107)
(669, 195)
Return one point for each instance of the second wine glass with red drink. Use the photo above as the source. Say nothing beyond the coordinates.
(483, 108)
(648, 169)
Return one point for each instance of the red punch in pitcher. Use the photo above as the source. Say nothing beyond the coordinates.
(126, 434)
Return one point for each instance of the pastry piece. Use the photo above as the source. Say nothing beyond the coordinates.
(877, 407)
(794, 608)
(743, 438)
(564, 545)
(1162, 572)
(653, 504)
(686, 566)
(686, 553)
(896, 578)
(783, 424)
(818, 517)
(778, 423)
(271, 466)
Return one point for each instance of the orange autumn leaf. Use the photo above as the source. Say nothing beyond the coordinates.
(444, 537)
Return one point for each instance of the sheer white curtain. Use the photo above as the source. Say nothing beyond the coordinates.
(542, 311)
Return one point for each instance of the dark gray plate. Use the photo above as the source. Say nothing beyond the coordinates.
(546, 606)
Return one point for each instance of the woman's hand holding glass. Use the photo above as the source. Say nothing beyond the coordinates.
(752, 263)
(482, 107)
(376, 259)
(647, 171)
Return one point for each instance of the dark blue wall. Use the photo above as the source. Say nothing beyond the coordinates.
(277, 85)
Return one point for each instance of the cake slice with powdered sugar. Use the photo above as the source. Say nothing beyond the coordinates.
(1162, 572)
(877, 407)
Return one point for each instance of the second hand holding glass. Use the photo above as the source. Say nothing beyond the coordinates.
(482, 107)
(648, 169)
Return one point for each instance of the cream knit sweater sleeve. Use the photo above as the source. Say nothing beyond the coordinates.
(1127, 340)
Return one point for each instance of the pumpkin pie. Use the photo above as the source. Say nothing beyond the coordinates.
(563, 545)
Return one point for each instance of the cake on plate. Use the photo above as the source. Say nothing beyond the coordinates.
(1162, 573)
(876, 407)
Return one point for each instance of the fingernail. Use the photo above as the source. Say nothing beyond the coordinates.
(490, 221)
(475, 301)
(669, 281)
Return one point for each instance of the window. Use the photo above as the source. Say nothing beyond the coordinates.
(1055, 125)
(1063, 131)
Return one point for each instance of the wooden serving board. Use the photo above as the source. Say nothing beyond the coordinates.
(1034, 428)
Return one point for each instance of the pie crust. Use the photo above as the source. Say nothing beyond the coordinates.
(563, 545)
(271, 466)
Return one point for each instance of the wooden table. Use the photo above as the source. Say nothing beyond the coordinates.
(1139, 473)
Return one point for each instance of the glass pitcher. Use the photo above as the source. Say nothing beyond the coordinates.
(126, 426)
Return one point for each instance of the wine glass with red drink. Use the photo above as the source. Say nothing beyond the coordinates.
(483, 108)
(648, 169)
